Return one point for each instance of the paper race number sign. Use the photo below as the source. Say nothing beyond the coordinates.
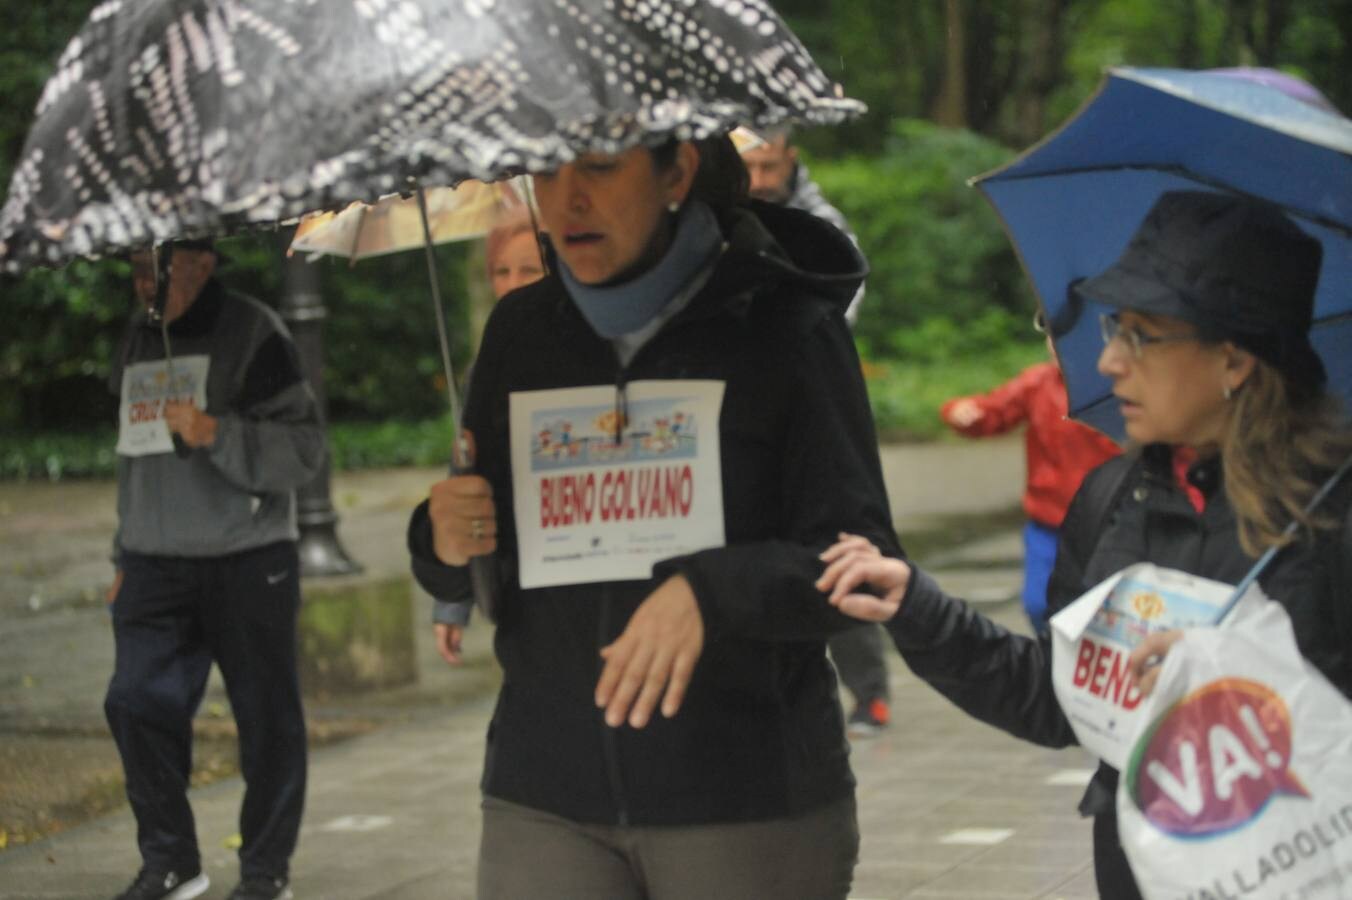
(145, 388)
(1092, 638)
(590, 507)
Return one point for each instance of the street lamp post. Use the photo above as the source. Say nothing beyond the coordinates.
(302, 307)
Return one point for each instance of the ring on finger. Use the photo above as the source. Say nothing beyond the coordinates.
(476, 529)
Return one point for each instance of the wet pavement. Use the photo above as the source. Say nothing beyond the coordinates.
(948, 808)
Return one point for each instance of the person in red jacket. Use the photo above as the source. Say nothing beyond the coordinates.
(1058, 451)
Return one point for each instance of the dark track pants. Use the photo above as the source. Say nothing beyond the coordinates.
(860, 655)
(172, 617)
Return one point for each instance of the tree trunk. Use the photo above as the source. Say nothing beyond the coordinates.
(1043, 66)
(1189, 44)
(1239, 31)
(950, 108)
(1277, 18)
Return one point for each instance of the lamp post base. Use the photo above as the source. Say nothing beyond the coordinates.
(321, 554)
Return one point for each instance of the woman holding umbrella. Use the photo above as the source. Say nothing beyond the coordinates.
(1207, 348)
(670, 731)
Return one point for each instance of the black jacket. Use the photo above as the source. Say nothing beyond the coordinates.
(1005, 679)
(760, 734)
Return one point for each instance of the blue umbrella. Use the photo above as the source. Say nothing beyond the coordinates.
(1071, 202)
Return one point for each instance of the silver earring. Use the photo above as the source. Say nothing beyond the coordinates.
(1227, 392)
(673, 207)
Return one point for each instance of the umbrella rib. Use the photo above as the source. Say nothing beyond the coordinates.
(1334, 319)
(1316, 218)
(1101, 402)
(356, 236)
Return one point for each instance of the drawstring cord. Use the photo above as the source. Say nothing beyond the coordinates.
(621, 407)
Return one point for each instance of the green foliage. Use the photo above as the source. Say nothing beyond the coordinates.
(57, 455)
(381, 355)
(946, 362)
(935, 247)
(61, 330)
(378, 445)
(1026, 66)
(52, 456)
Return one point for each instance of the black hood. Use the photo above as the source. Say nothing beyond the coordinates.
(769, 243)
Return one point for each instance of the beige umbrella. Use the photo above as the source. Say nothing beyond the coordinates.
(745, 139)
(397, 222)
(394, 223)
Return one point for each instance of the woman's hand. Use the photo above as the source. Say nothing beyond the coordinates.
(464, 519)
(854, 561)
(1144, 662)
(654, 658)
(449, 639)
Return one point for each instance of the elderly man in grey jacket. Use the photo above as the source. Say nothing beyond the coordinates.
(212, 442)
(779, 177)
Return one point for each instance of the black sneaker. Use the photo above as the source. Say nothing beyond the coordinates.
(261, 887)
(157, 885)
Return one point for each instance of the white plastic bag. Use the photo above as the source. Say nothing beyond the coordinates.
(1238, 785)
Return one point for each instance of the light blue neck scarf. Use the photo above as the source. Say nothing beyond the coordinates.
(619, 309)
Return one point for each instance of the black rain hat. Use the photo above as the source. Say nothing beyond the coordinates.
(1238, 269)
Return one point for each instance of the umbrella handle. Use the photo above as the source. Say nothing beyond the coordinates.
(482, 569)
(181, 448)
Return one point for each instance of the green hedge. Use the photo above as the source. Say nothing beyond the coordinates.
(53, 455)
(945, 362)
(935, 247)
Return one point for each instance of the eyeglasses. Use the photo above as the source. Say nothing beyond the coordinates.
(1134, 338)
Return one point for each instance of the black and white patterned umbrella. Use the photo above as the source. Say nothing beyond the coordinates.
(176, 118)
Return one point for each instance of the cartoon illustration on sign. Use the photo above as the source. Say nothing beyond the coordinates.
(660, 428)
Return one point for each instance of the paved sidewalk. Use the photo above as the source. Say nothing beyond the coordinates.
(948, 808)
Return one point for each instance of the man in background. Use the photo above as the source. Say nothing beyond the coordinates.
(779, 177)
(213, 439)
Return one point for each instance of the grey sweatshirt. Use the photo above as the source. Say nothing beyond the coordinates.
(238, 493)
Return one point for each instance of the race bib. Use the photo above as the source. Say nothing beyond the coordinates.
(145, 388)
(601, 493)
(1093, 636)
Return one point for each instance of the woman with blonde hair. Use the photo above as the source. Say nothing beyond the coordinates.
(512, 252)
(1233, 432)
